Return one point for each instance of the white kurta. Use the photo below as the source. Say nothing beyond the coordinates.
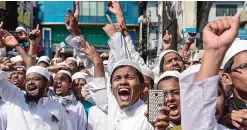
(130, 118)
(97, 119)
(77, 116)
(3, 115)
(22, 116)
(198, 101)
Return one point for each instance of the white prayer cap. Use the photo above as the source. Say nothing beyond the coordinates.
(147, 71)
(40, 70)
(65, 72)
(236, 47)
(18, 58)
(12, 59)
(105, 62)
(166, 52)
(127, 62)
(63, 64)
(72, 58)
(45, 59)
(168, 74)
(21, 28)
(80, 75)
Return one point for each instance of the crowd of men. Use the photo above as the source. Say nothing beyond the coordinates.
(85, 92)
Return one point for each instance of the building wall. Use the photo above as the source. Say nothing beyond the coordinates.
(212, 14)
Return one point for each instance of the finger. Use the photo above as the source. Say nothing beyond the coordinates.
(235, 124)
(236, 21)
(214, 27)
(109, 19)
(167, 32)
(164, 108)
(162, 118)
(161, 124)
(77, 10)
(37, 27)
(1, 24)
(221, 26)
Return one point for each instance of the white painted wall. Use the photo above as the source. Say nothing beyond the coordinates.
(212, 13)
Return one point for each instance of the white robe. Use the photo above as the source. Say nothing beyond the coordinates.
(198, 101)
(22, 116)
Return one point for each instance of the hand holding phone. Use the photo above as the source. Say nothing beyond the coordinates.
(193, 35)
(155, 101)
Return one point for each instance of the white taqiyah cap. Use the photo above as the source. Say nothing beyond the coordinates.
(72, 58)
(45, 59)
(65, 72)
(18, 58)
(21, 28)
(236, 47)
(127, 62)
(80, 75)
(105, 62)
(40, 70)
(147, 71)
(168, 74)
(63, 64)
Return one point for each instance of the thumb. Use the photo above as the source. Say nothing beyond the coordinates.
(167, 32)
(236, 21)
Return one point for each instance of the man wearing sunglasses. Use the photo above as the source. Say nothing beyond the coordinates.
(235, 74)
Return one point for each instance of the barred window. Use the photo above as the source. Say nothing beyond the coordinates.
(92, 8)
(226, 10)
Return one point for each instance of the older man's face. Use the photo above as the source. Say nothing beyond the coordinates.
(126, 86)
(172, 61)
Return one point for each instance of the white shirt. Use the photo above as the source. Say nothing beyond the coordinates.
(97, 119)
(3, 115)
(130, 118)
(22, 116)
(198, 101)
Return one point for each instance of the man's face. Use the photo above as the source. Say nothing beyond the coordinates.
(35, 85)
(20, 63)
(78, 84)
(43, 64)
(18, 78)
(172, 61)
(172, 99)
(126, 86)
(240, 75)
(61, 84)
(148, 85)
(21, 35)
(72, 65)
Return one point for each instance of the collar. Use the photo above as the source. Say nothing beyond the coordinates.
(66, 100)
(133, 106)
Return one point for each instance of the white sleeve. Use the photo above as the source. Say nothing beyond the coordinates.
(3, 115)
(198, 101)
(82, 122)
(118, 47)
(135, 56)
(98, 90)
(8, 92)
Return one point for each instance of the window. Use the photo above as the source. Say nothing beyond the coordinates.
(226, 10)
(92, 8)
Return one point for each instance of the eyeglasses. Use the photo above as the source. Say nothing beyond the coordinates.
(35, 79)
(242, 66)
(172, 92)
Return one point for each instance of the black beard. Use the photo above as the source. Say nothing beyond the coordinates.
(30, 98)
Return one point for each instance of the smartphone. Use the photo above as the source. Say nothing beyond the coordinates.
(156, 99)
(194, 35)
(13, 33)
(243, 16)
(75, 42)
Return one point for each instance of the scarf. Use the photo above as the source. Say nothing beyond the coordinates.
(66, 100)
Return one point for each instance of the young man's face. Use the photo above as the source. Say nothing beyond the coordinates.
(172, 99)
(72, 65)
(126, 86)
(61, 84)
(78, 84)
(35, 85)
(172, 61)
(148, 85)
(18, 78)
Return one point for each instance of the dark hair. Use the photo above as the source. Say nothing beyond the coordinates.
(228, 65)
(168, 78)
(139, 74)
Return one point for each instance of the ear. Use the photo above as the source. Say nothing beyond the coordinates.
(142, 86)
(226, 78)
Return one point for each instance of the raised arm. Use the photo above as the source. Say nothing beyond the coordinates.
(31, 60)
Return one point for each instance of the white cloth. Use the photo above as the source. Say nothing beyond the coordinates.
(21, 28)
(22, 116)
(130, 118)
(18, 58)
(147, 71)
(97, 119)
(40, 70)
(169, 73)
(3, 115)
(80, 75)
(198, 101)
(65, 72)
(45, 59)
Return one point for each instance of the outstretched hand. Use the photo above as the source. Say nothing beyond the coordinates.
(110, 28)
(8, 39)
(115, 8)
(167, 41)
(6, 64)
(90, 52)
(36, 32)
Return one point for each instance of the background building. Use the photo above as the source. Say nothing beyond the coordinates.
(91, 20)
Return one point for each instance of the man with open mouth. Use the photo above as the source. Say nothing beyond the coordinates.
(34, 109)
(18, 77)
